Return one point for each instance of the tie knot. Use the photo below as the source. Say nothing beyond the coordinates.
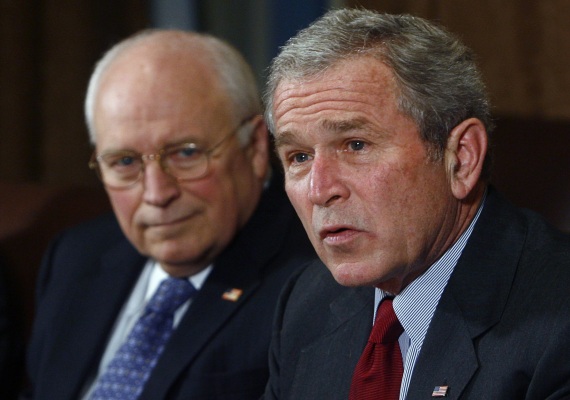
(387, 327)
(170, 295)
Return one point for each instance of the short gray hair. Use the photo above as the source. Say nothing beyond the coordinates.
(234, 73)
(439, 82)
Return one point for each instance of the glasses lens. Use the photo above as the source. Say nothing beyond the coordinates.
(185, 161)
(120, 169)
(124, 168)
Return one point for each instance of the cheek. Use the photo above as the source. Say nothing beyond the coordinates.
(298, 196)
(124, 203)
(417, 201)
(204, 190)
(220, 199)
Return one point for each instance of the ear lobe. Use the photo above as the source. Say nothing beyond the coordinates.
(465, 155)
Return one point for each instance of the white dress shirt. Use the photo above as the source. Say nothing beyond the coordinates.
(147, 284)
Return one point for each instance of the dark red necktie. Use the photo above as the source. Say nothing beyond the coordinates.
(378, 374)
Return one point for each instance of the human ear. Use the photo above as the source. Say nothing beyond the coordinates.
(258, 147)
(465, 155)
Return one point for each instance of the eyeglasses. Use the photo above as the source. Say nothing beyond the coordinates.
(184, 162)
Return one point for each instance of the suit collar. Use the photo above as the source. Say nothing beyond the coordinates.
(351, 303)
(240, 266)
(332, 353)
(99, 294)
(482, 281)
(472, 302)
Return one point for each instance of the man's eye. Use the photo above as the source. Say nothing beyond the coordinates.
(121, 161)
(356, 145)
(300, 158)
(183, 157)
(126, 161)
(187, 152)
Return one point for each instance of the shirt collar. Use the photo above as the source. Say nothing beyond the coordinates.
(416, 304)
(157, 275)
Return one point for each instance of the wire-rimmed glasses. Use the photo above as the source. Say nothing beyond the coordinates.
(183, 161)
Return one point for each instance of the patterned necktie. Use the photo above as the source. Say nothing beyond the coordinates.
(378, 373)
(131, 366)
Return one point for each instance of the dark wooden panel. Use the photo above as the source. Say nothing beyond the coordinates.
(532, 166)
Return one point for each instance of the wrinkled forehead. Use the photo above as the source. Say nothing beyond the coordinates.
(353, 86)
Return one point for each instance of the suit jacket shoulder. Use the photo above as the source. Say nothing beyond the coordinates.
(225, 343)
(85, 277)
(321, 329)
(219, 349)
(501, 328)
(500, 331)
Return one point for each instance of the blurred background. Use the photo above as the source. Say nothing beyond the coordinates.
(48, 49)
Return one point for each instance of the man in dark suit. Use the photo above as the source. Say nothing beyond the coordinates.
(382, 125)
(182, 149)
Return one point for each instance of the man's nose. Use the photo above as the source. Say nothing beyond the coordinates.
(326, 183)
(160, 188)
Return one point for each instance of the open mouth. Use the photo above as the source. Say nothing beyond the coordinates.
(335, 232)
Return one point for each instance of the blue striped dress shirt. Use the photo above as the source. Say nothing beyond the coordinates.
(416, 304)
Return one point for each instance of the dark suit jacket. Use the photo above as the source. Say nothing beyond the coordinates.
(500, 331)
(219, 350)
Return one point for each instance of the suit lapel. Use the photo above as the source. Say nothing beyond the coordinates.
(207, 315)
(325, 367)
(99, 294)
(472, 302)
(352, 303)
(447, 356)
(238, 267)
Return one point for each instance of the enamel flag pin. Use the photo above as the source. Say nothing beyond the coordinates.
(439, 391)
(232, 294)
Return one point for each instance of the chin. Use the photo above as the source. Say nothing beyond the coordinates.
(173, 254)
(351, 275)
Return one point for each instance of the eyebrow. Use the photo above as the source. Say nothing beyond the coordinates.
(336, 127)
(343, 125)
(283, 138)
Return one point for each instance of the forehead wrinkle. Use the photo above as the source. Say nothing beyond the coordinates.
(306, 91)
(306, 104)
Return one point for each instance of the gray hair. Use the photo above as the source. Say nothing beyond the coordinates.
(438, 81)
(234, 73)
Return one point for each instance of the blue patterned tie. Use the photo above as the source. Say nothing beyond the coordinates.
(131, 366)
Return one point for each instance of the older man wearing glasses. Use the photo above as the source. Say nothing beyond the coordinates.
(173, 295)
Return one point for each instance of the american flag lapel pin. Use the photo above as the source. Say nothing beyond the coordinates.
(439, 391)
(232, 294)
